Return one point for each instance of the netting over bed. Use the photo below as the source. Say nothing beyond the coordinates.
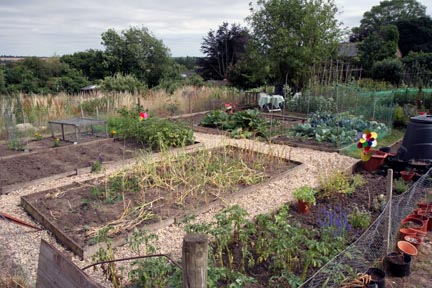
(371, 247)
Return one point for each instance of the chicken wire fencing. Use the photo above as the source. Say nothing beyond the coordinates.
(371, 247)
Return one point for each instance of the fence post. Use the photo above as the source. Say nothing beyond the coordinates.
(389, 203)
(194, 260)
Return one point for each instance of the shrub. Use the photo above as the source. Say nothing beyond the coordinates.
(389, 70)
(153, 133)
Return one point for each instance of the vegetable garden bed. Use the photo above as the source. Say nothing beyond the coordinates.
(151, 194)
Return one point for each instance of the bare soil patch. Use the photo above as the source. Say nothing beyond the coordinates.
(44, 160)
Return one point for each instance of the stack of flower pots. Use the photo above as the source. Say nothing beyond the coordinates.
(413, 229)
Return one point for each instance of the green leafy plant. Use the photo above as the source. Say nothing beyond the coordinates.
(37, 136)
(241, 124)
(305, 194)
(400, 186)
(153, 133)
(109, 270)
(338, 129)
(16, 145)
(96, 166)
(359, 218)
(56, 142)
(339, 182)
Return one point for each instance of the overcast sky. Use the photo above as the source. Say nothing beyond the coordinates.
(48, 28)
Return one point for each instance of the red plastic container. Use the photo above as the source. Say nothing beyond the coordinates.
(377, 159)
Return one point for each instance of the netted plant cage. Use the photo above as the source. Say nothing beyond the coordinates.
(376, 242)
(78, 129)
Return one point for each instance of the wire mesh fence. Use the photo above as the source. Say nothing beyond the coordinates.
(372, 246)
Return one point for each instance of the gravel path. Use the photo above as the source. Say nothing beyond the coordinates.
(19, 247)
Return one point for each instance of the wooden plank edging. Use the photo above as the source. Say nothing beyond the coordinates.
(56, 270)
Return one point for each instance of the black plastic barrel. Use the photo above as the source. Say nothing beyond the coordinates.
(397, 264)
(417, 142)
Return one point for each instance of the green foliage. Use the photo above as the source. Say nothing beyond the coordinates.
(89, 62)
(359, 218)
(122, 83)
(400, 186)
(339, 182)
(96, 166)
(415, 35)
(16, 144)
(56, 142)
(305, 194)
(399, 118)
(378, 45)
(109, 270)
(307, 104)
(338, 129)
(36, 75)
(388, 13)
(153, 133)
(136, 51)
(222, 49)
(289, 37)
(189, 62)
(241, 124)
(390, 70)
(149, 272)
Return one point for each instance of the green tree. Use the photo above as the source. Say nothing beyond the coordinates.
(189, 62)
(2, 81)
(387, 13)
(290, 36)
(378, 45)
(222, 49)
(90, 63)
(136, 51)
(415, 35)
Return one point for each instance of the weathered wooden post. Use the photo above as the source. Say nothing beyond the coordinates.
(389, 191)
(194, 260)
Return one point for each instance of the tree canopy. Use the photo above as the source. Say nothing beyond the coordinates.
(290, 36)
(379, 45)
(387, 13)
(222, 49)
(415, 35)
(136, 51)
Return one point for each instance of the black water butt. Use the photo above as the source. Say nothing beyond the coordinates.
(417, 142)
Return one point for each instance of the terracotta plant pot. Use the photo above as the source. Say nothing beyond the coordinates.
(406, 232)
(303, 207)
(414, 240)
(412, 223)
(421, 218)
(407, 175)
(375, 162)
(425, 206)
(407, 248)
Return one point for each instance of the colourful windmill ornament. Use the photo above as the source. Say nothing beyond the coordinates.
(367, 140)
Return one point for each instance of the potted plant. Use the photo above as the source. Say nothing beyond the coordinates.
(305, 196)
